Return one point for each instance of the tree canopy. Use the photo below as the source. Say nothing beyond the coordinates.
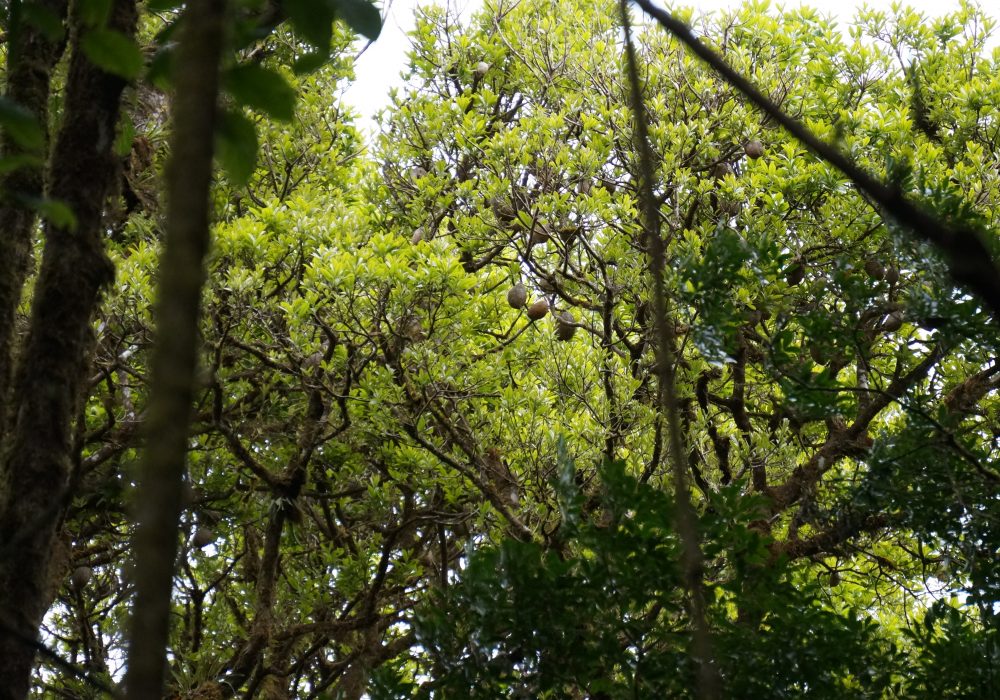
(429, 452)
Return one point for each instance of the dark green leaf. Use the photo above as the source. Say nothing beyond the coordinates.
(361, 16)
(113, 52)
(44, 20)
(20, 125)
(57, 212)
(94, 13)
(126, 135)
(263, 90)
(312, 20)
(236, 146)
(160, 67)
(309, 62)
(11, 163)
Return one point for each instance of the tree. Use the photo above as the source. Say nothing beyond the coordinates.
(43, 379)
(408, 477)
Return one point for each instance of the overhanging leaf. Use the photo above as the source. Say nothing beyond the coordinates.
(44, 20)
(12, 163)
(113, 52)
(236, 146)
(309, 62)
(94, 13)
(57, 212)
(361, 16)
(312, 20)
(263, 90)
(21, 125)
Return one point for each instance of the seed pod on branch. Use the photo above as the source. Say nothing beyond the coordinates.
(754, 149)
(565, 325)
(517, 296)
(538, 310)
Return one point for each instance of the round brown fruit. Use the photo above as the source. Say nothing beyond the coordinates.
(565, 326)
(539, 235)
(538, 310)
(203, 537)
(720, 170)
(892, 274)
(754, 149)
(874, 268)
(517, 296)
(81, 576)
(795, 273)
(816, 353)
(893, 322)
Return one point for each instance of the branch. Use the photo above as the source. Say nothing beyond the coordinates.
(846, 440)
(846, 527)
(709, 682)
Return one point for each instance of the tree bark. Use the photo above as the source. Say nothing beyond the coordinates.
(49, 377)
(182, 276)
(30, 60)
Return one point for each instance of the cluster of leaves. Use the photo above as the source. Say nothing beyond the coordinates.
(604, 614)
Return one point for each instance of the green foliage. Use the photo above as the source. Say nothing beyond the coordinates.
(237, 146)
(44, 19)
(603, 614)
(417, 490)
(261, 89)
(20, 125)
(114, 52)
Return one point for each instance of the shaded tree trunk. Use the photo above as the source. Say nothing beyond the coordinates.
(45, 396)
(182, 276)
(30, 60)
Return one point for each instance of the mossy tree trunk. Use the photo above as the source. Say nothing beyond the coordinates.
(44, 399)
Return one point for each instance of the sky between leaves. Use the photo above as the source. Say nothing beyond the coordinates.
(381, 65)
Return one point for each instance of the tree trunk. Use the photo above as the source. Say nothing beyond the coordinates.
(189, 177)
(30, 60)
(46, 393)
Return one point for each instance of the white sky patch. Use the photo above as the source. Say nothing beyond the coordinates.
(382, 65)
